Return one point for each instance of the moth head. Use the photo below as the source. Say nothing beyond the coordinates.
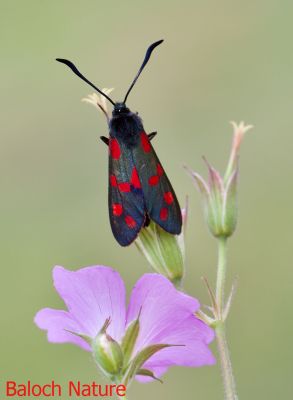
(120, 109)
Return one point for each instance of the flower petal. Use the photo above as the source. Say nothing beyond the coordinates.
(58, 323)
(192, 336)
(92, 295)
(167, 317)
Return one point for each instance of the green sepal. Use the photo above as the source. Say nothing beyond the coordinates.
(149, 374)
(141, 358)
(129, 340)
(230, 205)
(163, 252)
(88, 339)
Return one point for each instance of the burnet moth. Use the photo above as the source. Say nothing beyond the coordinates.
(139, 189)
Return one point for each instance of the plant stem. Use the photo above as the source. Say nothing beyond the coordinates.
(221, 273)
(226, 366)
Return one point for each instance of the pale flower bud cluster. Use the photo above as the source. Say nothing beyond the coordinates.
(100, 102)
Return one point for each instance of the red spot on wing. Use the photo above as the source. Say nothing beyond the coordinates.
(135, 179)
(154, 180)
(168, 197)
(124, 187)
(160, 170)
(113, 180)
(114, 149)
(145, 142)
(164, 213)
(117, 209)
(130, 221)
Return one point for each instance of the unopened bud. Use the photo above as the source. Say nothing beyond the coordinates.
(107, 352)
(220, 194)
(164, 251)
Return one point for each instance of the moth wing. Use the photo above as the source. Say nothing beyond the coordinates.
(160, 199)
(125, 196)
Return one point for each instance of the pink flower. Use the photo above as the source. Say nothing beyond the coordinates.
(164, 330)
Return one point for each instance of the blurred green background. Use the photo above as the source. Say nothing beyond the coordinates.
(220, 61)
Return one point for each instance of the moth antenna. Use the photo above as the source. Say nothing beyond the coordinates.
(145, 61)
(76, 71)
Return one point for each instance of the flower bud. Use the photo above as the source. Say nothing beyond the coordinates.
(220, 194)
(164, 252)
(107, 352)
(221, 207)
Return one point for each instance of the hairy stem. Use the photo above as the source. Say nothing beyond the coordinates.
(226, 366)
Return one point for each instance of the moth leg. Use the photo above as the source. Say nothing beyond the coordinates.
(105, 140)
(152, 135)
(146, 221)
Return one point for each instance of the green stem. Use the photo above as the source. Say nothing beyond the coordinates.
(226, 366)
(221, 273)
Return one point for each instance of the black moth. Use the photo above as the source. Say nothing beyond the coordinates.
(139, 189)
